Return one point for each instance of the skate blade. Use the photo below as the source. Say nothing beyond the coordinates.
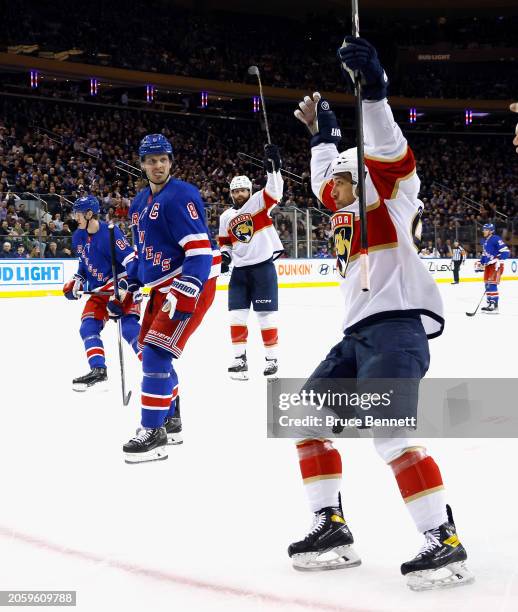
(345, 557)
(174, 438)
(97, 388)
(449, 576)
(238, 375)
(157, 454)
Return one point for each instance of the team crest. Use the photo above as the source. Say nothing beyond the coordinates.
(342, 224)
(242, 227)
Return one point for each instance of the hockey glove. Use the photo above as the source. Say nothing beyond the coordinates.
(126, 285)
(358, 54)
(181, 299)
(72, 289)
(272, 158)
(226, 260)
(307, 112)
(328, 128)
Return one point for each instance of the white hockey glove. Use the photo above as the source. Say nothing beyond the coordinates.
(307, 112)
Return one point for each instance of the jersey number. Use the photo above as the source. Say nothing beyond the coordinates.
(191, 208)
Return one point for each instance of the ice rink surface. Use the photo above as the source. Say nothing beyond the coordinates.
(208, 528)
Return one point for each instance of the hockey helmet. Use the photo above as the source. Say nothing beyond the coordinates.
(347, 161)
(86, 203)
(152, 144)
(241, 182)
(489, 227)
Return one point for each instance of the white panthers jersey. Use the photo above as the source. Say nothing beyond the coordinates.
(247, 233)
(398, 279)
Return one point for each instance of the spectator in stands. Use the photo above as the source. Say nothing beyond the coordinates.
(21, 253)
(6, 250)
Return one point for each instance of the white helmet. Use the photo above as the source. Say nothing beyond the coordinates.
(347, 161)
(241, 182)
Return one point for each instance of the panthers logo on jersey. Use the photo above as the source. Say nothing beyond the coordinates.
(242, 227)
(342, 224)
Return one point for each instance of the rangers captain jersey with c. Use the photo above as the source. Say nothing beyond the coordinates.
(399, 281)
(248, 233)
(173, 222)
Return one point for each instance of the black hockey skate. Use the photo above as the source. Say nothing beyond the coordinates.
(491, 308)
(271, 367)
(329, 534)
(173, 426)
(95, 378)
(238, 369)
(440, 562)
(147, 445)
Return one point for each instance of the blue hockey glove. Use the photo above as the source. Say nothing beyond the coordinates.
(358, 54)
(272, 158)
(328, 128)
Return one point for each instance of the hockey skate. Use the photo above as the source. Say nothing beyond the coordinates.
(271, 367)
(173, 426)
(97, 378)
(440, 562)
(491, 308)
(147, 445)
(327, 546)
(238, 369)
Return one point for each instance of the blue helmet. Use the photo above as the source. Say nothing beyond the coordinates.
(86, 203)
(489, 226)
(153, 144)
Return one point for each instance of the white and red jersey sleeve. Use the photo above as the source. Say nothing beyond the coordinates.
(322, 156)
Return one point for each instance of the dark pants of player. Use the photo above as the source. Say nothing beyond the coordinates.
(393, 348)
(161, 339)
(456, 268)
(94, 317)
(256, 285)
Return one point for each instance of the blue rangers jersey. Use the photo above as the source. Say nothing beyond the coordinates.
(95, 262)
(172, 237)
(494, 248)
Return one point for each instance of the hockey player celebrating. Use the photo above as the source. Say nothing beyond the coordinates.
(91, 242)
(179, 264)
(248, 238)
(494, 253)
(386, 331)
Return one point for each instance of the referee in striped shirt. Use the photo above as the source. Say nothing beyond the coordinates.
(458, 257)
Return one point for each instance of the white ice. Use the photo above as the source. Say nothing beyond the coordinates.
(208, 528)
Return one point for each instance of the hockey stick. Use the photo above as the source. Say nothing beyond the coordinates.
(255, 161)
(472, 314)
(364, 243)
(125, 398)
(96, 292)
(255, 70)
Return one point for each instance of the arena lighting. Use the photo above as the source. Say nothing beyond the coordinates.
(94, 87)
(204, 99)
(412, 115)
(256, 104)
(150, 93)
(468, 116)
(34, 79)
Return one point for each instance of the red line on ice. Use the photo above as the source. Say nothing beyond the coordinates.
(168, 577)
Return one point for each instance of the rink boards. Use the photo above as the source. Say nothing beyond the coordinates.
(41, 277)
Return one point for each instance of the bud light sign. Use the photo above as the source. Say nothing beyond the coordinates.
(39, 272)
